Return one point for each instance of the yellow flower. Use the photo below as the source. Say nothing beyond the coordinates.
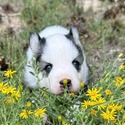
(59, 118)
(114, 107)
(28, 104)
(9, 73)
(93, 112)
(25, 114)
(119, 81)
(100, 104)
(15, 95)
(65, 81)
(111, 106)
(118, 107)
(108, 92)
(109, 115)
(4, 90)
(123, 117)
(122, 66)
(94, 93)
(85, 104)
(10, 89)
(82, 84)
(64, 123)
(71, 94)
(40, 112)
(92, 103)
(2, 86)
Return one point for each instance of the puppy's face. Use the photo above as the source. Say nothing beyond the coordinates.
(61, 59)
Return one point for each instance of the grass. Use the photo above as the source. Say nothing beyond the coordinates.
(106, 106)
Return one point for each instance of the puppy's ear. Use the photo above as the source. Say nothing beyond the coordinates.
(74, 35)
(36, 43)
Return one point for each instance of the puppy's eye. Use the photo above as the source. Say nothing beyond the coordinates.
(76, 64)
(48, 68)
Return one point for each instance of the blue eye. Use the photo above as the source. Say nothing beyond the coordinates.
(48, 68)
(76, 64)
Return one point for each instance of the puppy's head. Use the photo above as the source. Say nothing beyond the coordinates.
(61, 59)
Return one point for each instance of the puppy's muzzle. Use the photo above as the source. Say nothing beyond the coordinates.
(66, 83)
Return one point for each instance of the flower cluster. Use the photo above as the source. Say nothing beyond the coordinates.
(100, 107)
(111, 111)
(102, 103)
(38, 113)
(95, 99)
(25, 114)
(105, 102)
(10, 91)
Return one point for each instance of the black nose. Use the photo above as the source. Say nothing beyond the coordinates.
(66, 82)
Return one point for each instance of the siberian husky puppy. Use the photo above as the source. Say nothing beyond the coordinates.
(61, 57)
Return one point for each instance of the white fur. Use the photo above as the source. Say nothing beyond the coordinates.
(60, 52)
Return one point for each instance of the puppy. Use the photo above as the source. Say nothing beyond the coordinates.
(61, 58)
